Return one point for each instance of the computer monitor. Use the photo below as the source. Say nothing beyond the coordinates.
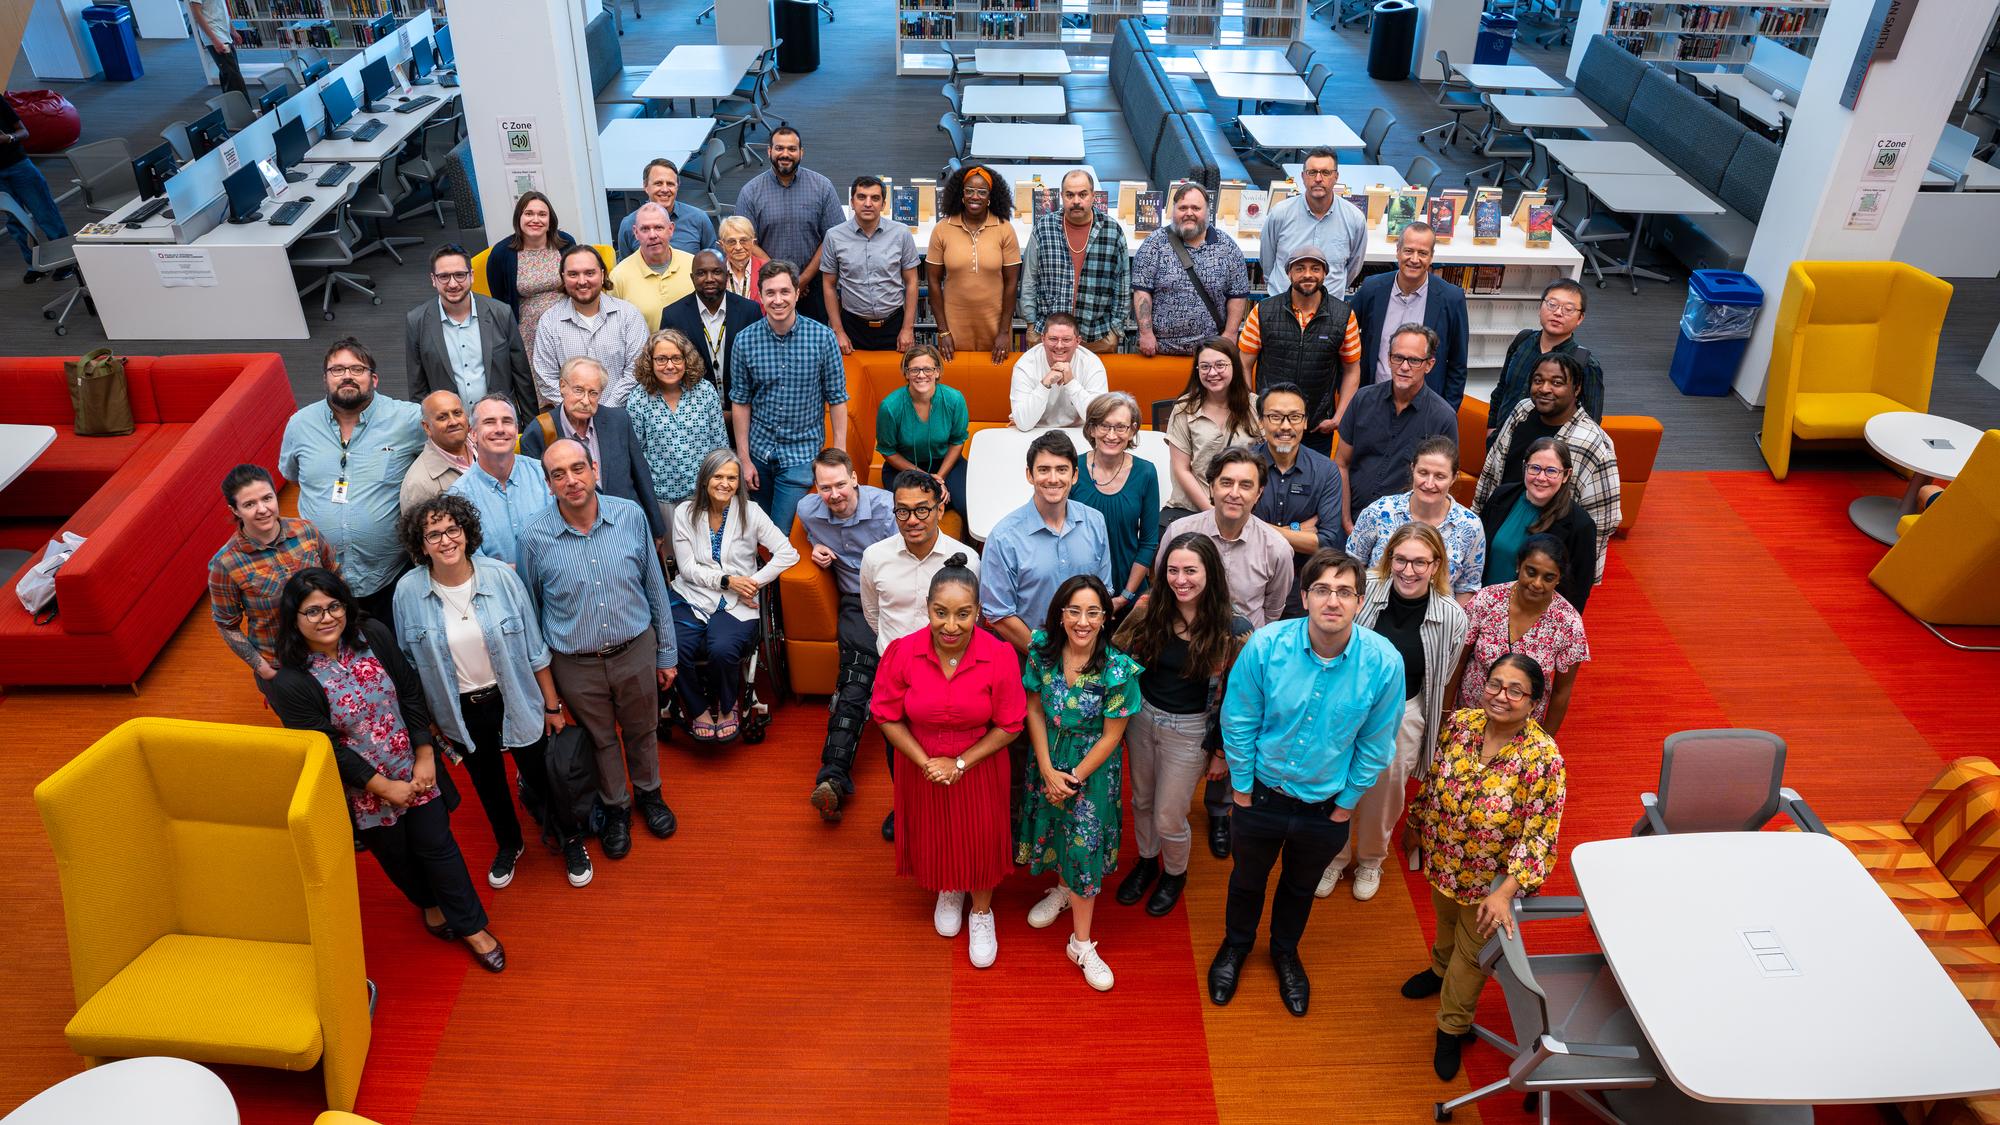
(291, 142)
(381, 26)
(317, 68)
(207, 132)
(274, 98)
(153, 169)
(339, 103)
(245, 190)
(375, 84)
(420, 62)
(446, 60)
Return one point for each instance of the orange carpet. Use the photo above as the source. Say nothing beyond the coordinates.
(761, 967)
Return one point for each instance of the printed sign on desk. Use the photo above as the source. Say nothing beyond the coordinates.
(517, 140)
(184, 267)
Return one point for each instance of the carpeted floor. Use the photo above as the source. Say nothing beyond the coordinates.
(761, 967)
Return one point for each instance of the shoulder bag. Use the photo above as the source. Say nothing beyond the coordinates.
(98, 394)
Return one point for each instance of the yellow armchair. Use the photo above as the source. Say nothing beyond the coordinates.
(479, 285)
(1941, 571)
(209, 897)
(1853, 340)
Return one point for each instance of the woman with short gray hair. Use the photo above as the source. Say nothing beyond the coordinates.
(1124, 488)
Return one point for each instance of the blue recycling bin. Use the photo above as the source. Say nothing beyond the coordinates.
(1721, 311)
(117, 44)
(1496, 38)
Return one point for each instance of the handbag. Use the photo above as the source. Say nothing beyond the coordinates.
(98, 394)
(37, 587)
(571, 758)
(1187, 263)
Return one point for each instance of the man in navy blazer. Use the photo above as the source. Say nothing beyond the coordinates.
(604, 430)
(1387, 301)
(711, 303)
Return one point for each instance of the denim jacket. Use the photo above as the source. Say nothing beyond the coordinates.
(513, 640)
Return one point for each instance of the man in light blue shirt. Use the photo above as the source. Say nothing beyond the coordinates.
(1315, 217)
(1038, 545)
(1308, 724)
(507, 490)
(349, 455)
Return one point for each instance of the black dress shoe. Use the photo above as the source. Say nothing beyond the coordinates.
(1132, 888)
(617, 834)
(1223, 973)
(1166, 895)
(1426, 983)
(493, 960)
(1218, 836)
(442, 931)
(1444, 1059)
(889, 827)
(659, 818)
(1293, 987)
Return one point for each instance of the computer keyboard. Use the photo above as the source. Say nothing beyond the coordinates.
(151, 208)
(416, 103)
(289, 213)
(369, 131)
(334, 174)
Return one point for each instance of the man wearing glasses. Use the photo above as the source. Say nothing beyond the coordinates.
(1412, 295)
(1317, 218)
(1562, 312)
(1308, 724)
(468, 342)
(349, 454)
(1386, 422)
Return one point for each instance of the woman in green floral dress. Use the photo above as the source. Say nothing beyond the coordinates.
(1081, 691)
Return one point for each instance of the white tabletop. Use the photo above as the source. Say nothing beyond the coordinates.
(1623, 157)
(1357, 177)
(1017, 62)
(1648, 195)
(1511, 76)
(1904, 438)
(1236, 86)
(1768, 967)
(1299, 130)
(1532, 112)
(699, 70)
(397, 128)
(142, 1091)
(990, 495)
(1757, 101)
(262, 233)
(1250, 60)
(19, 446)
(625, 146)
(1013, 101)
(739, 57)
(1002, 141)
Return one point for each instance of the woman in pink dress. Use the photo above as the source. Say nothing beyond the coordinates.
(949, 699)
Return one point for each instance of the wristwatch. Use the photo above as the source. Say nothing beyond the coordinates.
(1129, 595)
(722, 582)
(960, 763)
(556, 710)
(1295, 525)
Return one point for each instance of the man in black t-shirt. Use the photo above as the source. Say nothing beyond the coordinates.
(21, 179)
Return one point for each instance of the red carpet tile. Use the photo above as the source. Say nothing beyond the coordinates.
(761, 966)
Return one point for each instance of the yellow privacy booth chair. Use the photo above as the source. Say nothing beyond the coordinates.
(479, 268)
(1853, 340)
(209, 897)
(1945, 569)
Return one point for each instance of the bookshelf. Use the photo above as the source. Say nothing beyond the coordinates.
(1717, 33)
(329, 25)
(1084, 27)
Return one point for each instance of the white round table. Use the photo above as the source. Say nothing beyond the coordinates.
(144, 1091)
(1930, 447)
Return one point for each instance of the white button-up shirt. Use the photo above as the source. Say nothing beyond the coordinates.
(1036, 406)
(1403, 308)
(896, 585)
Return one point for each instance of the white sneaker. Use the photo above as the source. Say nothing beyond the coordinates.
(949, 913)
(985, 943)
(1367, 880)
(1045, 912)
(1096, 973)
(1328, 880)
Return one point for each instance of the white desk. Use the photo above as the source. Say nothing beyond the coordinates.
(699, 71)
(19, 446)
(1251, 60)
(397, 128)
(1639, 196)
(998, 141)
(143, 1091)
(1509, 76)
(1979, 176)
(1013, 101)
(991, 495)
(1288, 89)
(1854, 1009)
(1020, 63)
(625, 146)
(1298, 130)
(1757, 101)
(1357, 177)
(1621, 157)
(1904, 439)
(1531, 112)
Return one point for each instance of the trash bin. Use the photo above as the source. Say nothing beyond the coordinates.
(112, 33)
(798, 26)
(1394, 37)
(1715, 331)
(1496, 38)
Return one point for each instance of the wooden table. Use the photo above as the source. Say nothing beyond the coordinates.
(1508, 76)
(626, 146)
(1532, 112)
(1021, 63)
(992, 140)
(1283, 131)
(1251, 60)
(1013, 101)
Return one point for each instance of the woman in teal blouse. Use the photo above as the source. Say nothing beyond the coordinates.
(923, 425)
(1124, 488)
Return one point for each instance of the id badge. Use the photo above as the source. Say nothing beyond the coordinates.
(340, 491)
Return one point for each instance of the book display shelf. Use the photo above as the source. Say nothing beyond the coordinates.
(328, 25)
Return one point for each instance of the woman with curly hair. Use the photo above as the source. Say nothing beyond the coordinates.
(974, 264)
(676, 414)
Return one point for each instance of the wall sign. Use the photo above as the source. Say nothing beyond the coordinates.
(1880, 41)
(1890, 153)
(518, 141)
(1865, 213)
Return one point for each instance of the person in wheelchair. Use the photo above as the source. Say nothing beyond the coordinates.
(717, 591)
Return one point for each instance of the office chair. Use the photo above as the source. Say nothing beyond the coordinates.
(386, 193)
(1355, 11)
(1316, 79)
(1298, 55)
(1423, 172)
(176, 135)
(1686, 78)
(1374, 132)
(1456, 97)
(1730, 104)
(706, 167)
(331, 249)
(237, 112)
(1584, 225)
(1502, 142)
(1727, 780)
(429, 168)
(951, 95)
(964, 64)
(50, 256)
(103, 172)
(735, 134)
(954, 131)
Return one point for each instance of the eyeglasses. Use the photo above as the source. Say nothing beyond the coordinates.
(1408, 360)
(1402, 563)
(1120, 429)
(1322, 591)
(1292, 419)
(978, 193)
(322, 612)
(1561, 308)
(439, 534)
(339, 370)
(670, 361)
(927, 370)
(1542, 470)
(1496, 689)
(1091, 614)
(587, 394)
(1212, 368)
(921, 512)
(456, 277)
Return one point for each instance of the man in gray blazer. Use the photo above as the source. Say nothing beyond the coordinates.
(605, 431)
(464, 342)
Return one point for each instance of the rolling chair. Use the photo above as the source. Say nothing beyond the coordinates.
(176, 136)
(1730, 104)
(735, 134)
(103, 173)
(1586, 226)
(429, 168)
(1686, 78)
(50, 256)
(954, 131)
(1423, 172)
(706, 167)
(331, 248)
(1374, 132)
(237, 112)
(383, 200)
(1722, 781)
(1456, 97)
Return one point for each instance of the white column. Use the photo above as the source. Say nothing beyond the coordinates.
(524, 63)
(1829, 148)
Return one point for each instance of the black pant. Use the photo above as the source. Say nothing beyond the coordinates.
(419, 855)
(872, 337)
(485, 762)
(812, 302)
(381, 605)
(849, 706)
(1272, 827)
(229, 73)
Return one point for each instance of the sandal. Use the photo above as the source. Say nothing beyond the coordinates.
(703, 732)
(726, 729)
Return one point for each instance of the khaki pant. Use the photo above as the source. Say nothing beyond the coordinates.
(1455, 957)
(1166, 759)
(1382, 806)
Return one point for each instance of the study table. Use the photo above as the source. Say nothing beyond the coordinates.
(1929, 447)
(991, 101)
(1756, 100)
(1505, 76)
(1639, 196)
(997, 140)
(626, 146)
(1551, 112)
(150, 1090)
(991, 495)
(1246, 60)
(1623, 157)
(19, 446)
(1289, 131)
(1238, 87)
(1020, 63)
(397, 129)
(699, 71)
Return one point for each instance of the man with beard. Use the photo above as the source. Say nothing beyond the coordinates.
(1316, 218)
(711, 316)
(349, 455)
(590, 323)
(446, 454)
(1076, 262)
(1189, 281)
(1296, 336)
(792, 208)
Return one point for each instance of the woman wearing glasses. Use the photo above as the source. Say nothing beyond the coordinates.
(1429, 501)
(341, 674)
(742, 257)
(1124, 488)
(1213, 413)
(1527, 616)
(1489, 810)
(1410, 604)
(974, 261)
(1542, 502)
(922, 425)
(1081, 692)
(676, 414)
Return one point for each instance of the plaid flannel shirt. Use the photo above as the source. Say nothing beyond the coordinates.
(1595, 476)
(245, 581)
(1103, 304)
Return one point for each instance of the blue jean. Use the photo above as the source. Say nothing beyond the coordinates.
(724, 643)
(25, 183)
(779, 490)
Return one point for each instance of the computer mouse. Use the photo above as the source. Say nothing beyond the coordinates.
(133, 226)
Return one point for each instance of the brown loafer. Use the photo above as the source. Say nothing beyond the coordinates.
(493, 960)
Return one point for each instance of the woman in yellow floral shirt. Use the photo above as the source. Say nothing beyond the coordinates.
(1488, 810)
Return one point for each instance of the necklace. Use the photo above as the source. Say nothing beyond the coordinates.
(1069, 238)
(1104, 480)
(451, 595)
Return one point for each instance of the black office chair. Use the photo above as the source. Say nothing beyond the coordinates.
(1584, 225)
(1730, 104)
(1374, 132)
(1423, 172)
(954, 131)
(1456, 97)
(1686, 78)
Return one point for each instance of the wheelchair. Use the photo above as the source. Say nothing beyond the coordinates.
(768, 657)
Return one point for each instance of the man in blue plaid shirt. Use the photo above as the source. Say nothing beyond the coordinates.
(785, 383)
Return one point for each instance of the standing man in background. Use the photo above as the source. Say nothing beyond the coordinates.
(211, 27)
(792, 207)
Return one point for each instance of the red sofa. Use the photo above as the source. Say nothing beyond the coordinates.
(147, 504)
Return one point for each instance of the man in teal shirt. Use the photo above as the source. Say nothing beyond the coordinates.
(1308, 724)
